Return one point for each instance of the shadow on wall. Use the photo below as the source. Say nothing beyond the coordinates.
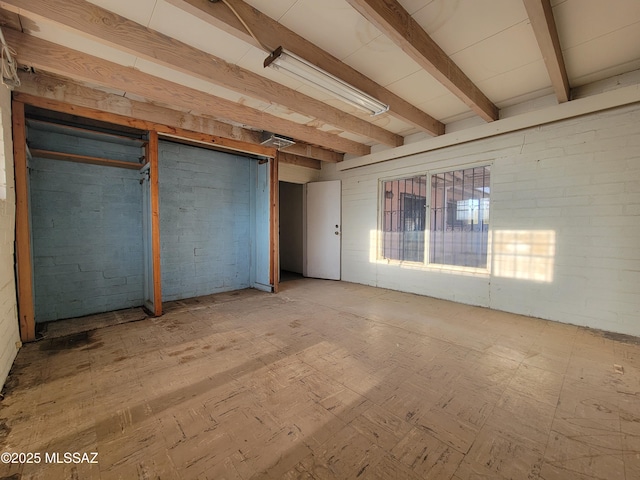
(524, 254)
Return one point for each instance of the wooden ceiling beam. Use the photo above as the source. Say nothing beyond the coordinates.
(292, 159)
(101, 114)
(544, 27)
(273, 34)
(303, 150)
(114, 30)
(43, 90)
(393, 20)
(59, 60)
(62, 95)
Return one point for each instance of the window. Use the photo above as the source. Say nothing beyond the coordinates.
(458, 218)
(404, 215)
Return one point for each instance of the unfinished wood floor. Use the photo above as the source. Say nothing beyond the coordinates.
(328, 380)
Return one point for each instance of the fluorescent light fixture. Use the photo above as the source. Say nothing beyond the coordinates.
(300, 68)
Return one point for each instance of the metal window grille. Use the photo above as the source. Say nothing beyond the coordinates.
(459, 217)
(404, 218)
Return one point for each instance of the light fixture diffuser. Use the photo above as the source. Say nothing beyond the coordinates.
(290, 63)
(276, 140)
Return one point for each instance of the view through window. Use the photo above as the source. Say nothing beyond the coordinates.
(404, 215)
(458, 218)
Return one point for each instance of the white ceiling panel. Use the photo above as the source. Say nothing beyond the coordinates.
(333, 25)
(353, 137)
(272, 8)
(389, 122)
(177, 23)
(412, 6)
(139, 11)
(458, 24)
(382, 61)
(418, 88)
(532, 77)
(581, 21)
(444, 107)
(604, 57)
(505, 51)
(490, 40)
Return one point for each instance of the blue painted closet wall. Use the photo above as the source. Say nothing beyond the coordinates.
(86, 229)
(205, 221)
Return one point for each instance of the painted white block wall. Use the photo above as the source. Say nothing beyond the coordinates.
(297, 174)
(574, 185)
(9, 333)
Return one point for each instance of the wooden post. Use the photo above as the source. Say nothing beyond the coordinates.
(152, 156)
(274, 270)
(26, 312)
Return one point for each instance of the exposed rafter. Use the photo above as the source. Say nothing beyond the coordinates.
(544, 26)
(87, 68)
(64, 96)
(124, 34)
(273, 34)
(392, 19)
(302, 150)
(284, 157)
(52, 92)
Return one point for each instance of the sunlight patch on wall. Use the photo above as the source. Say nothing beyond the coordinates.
(524, 254)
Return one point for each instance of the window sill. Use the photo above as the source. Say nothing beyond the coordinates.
(445, 269)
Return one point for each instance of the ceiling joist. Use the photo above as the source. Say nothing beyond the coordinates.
(395, 22)
(52, 93)
(544, 27)
(131, 37)
(302, 150)
(64, 96)
(273, 34)
(59, 60)
(285, 157)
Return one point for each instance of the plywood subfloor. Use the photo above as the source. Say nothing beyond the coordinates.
(328, 380)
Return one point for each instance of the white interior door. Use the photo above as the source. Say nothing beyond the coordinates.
(324, 230)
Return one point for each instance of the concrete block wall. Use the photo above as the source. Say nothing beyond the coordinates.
(205, 221)
(86, 229)
(9, 330)
(565, 197)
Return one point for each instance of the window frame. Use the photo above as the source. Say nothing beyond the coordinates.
(426, 264)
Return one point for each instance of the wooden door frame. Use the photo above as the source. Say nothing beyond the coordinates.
(151, 152)
(23, 247)
(274, 236)
(24, 267)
